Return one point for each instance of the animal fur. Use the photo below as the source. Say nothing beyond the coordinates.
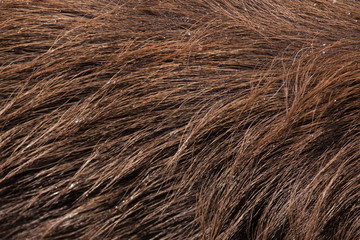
(194, 119)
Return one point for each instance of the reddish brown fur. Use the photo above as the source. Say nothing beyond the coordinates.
(194, 119)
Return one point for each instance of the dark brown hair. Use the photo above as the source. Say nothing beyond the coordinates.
(166, 119)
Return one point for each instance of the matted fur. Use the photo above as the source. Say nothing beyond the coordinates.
(193, 119)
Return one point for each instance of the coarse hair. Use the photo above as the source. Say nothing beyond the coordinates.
(192, 119)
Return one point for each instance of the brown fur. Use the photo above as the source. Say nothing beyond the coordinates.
(219, 119)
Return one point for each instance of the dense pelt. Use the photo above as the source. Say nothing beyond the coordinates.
(180, 119)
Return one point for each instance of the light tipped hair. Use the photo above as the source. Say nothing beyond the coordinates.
(166, 119)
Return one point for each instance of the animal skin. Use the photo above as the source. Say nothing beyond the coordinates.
(169, 119)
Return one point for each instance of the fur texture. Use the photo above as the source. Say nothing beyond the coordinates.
(193, 119)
